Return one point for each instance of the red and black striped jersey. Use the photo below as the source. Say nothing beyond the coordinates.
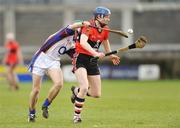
(95, 38)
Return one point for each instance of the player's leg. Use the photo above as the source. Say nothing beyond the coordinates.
(94, 89)
(81, 75)
(88, 85)
(57, 79)
(14, 79)
(94, 80)
(11, 77)
(94, 86)
(75, 91)
(34, 96)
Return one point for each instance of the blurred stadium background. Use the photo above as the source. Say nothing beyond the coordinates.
(126, 103)
(32, 21)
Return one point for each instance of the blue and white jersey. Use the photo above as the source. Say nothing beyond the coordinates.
(55, 46)
(59, 48)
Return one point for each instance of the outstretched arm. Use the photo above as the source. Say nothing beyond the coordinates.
(78, 24)
(71, 26)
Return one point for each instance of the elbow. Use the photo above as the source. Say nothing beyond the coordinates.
(82, 44)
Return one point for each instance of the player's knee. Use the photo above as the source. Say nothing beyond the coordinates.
(36, 90)
(58, 85)
(84, 90)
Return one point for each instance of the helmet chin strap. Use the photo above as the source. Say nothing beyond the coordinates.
(101, 24)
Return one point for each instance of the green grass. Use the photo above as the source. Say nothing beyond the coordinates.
(124, 104)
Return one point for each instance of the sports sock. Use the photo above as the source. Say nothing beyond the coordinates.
(33, 111)
(46, 103)
(78, 106)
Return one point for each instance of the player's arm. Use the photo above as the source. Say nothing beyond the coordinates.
(71, 26)
(106, 45)
(78, 24)
(20, 56)
(85, 45)
(85, 33)
(115, 59)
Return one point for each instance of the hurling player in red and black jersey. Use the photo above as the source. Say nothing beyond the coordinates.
(12, 58)
(87, 73)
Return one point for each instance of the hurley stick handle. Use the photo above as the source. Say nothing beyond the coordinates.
(107, 54)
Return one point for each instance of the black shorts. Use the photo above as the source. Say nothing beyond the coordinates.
(83, 60)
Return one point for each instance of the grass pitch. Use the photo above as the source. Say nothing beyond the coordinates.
(124, 104)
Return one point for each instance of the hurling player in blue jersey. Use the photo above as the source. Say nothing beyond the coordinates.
(47, 60)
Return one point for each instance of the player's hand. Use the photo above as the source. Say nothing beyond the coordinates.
(115, 59)
(86, 23)
(100, 55)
